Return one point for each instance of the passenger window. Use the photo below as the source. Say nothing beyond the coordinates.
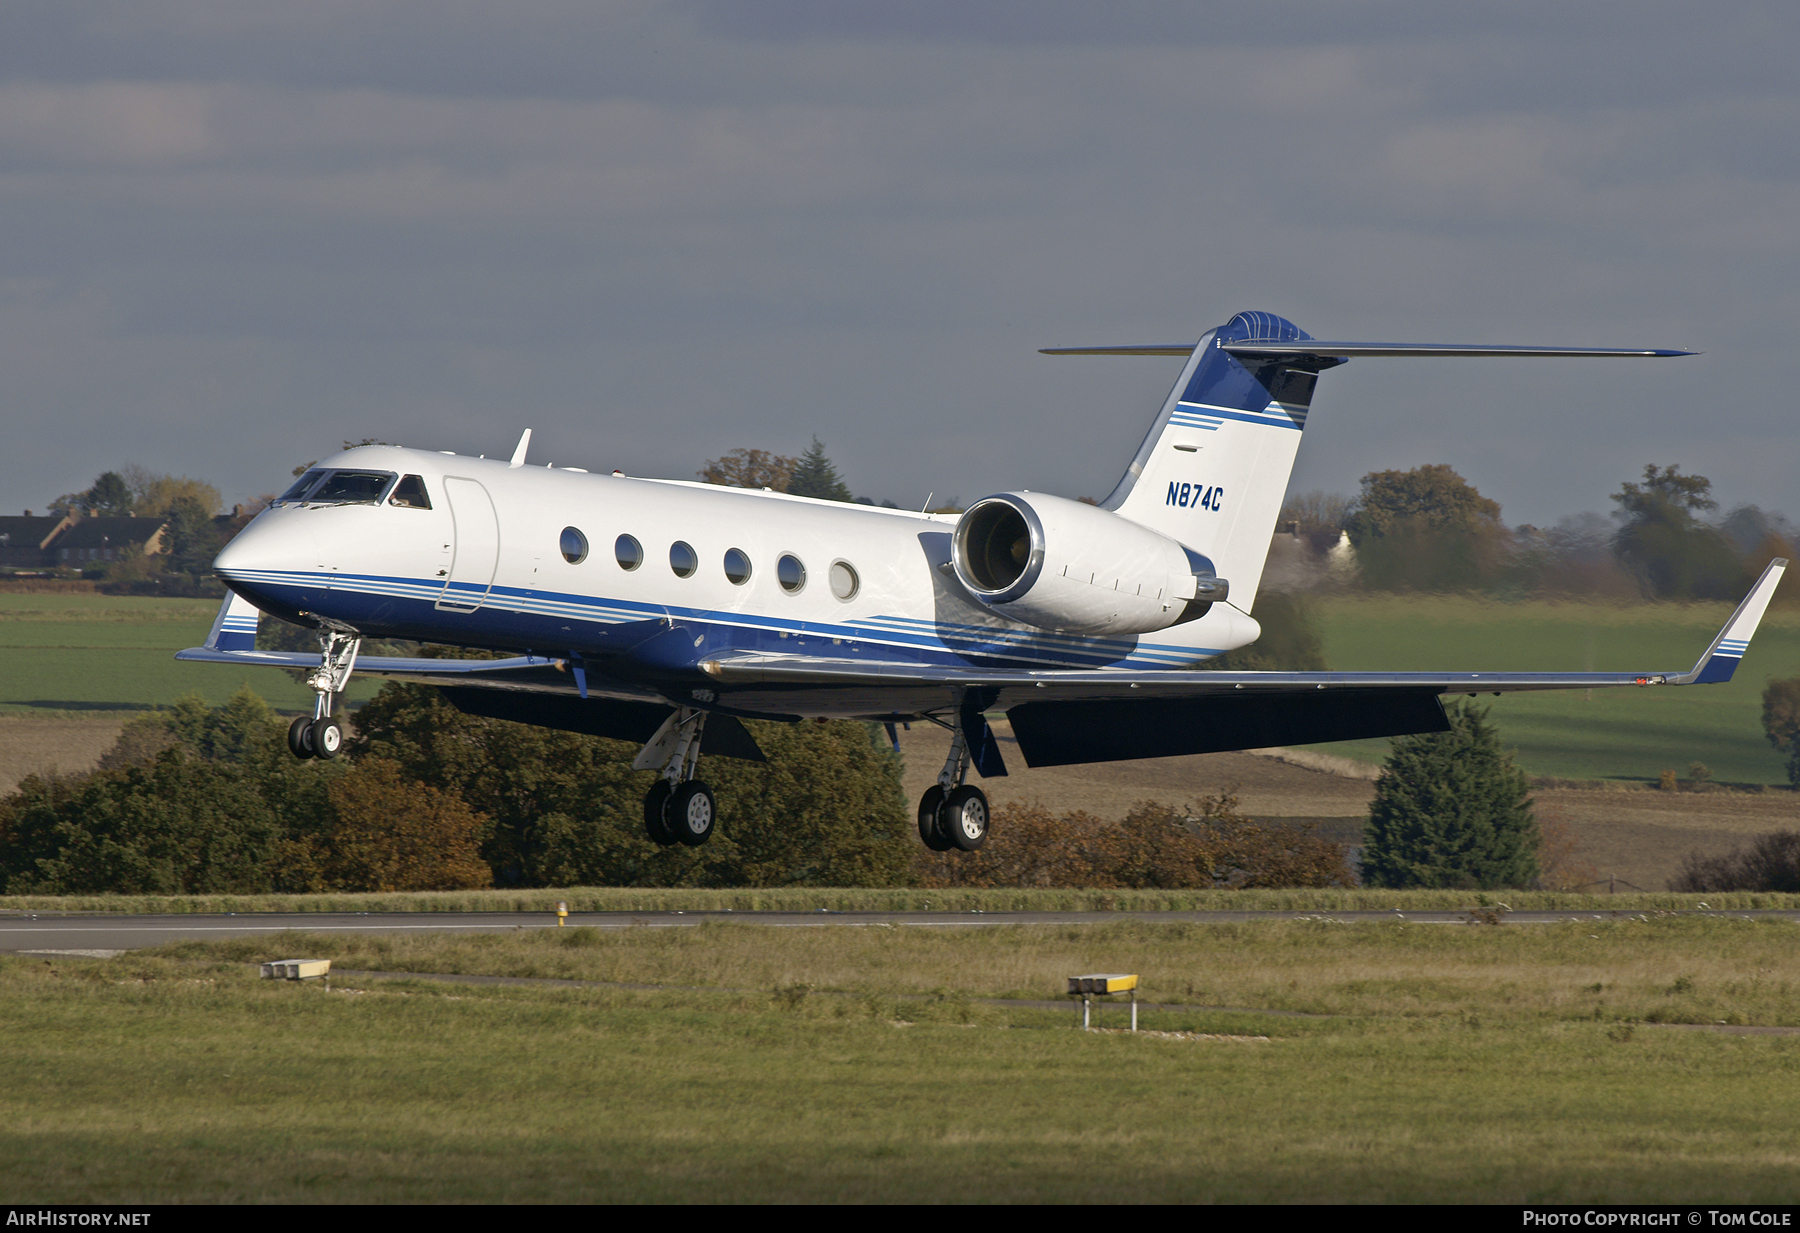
(628, 552)
(844, 582)
(410, 492)
(790, 573)
(574, 546)
(683, 560)
(737, 567)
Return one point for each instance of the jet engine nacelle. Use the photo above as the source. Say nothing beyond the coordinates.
(1075, 568)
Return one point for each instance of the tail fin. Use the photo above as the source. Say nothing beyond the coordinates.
(1214, 468)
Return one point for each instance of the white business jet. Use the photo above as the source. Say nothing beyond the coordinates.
(662, 612)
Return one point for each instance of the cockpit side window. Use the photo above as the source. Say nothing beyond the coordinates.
(303, 485)
(410, 491)
(351, 487)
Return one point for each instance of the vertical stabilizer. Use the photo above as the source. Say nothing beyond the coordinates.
(1214, 468)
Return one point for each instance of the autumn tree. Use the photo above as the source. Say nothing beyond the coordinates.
(1425, 529)
(1781, 722)
(1155, 846)
(825, 810)
(1451, 810)
(395, 835)
(751, 469)
(1663, 540)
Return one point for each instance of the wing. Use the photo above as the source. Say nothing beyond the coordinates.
(1059, 717)
(1109, 715)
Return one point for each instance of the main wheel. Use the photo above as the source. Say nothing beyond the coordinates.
(327, 738)
(965, 817)
(300, 738)
(931, 829)
(690, 813)
(656, 810)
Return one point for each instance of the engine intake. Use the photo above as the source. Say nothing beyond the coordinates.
(1067, 566)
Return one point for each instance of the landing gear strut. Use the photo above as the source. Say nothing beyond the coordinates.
(678, 808)
(953, 814)
(321, 736)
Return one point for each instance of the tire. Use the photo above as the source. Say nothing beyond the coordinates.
(300, 738)
(692, 813)
(931, 828)
(327, 738)
(656, 810)
(965, 817)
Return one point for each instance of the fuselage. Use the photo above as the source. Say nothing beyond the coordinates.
(398, 543)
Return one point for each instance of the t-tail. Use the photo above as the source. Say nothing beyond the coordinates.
(1213, 469)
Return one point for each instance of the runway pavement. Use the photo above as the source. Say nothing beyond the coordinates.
(22, 932)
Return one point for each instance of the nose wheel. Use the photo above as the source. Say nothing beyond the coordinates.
(315, 738)
(322, 736)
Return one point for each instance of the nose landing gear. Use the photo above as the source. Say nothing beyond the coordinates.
(322, 736)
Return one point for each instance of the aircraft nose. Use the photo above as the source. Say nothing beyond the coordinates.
(265, 551)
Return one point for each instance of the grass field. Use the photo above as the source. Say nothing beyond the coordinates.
(82, 652)
(1608, 734)
(730, 1063)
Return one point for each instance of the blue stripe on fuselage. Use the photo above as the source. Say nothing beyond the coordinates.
(517, 619)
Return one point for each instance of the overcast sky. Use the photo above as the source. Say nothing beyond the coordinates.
(237, 234)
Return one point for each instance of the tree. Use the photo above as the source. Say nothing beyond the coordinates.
(825, 810)
(154, 495)
(1662, 539)
(1781, 722)
(814, 476)
(110, 497)
(1451, 810)
(1318, 517)
(751, 469)
(1771, 863)
(396, 835)
(1154, 846)
(1425, 529)
(1288, 642)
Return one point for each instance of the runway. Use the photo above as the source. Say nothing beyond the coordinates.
(26, 932)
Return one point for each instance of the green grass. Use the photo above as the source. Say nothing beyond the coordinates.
(1606, 734)
(85, 652)
(1510, 1065)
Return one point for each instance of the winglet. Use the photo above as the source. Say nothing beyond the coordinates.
(234, 629)
(1721, 658)
(518, 458)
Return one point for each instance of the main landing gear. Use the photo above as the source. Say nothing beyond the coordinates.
(953, 814)
(678, 808)
(322, 736)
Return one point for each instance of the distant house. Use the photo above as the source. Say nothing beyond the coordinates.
(76, 542)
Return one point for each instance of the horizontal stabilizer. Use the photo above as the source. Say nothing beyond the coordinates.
(1249, 349)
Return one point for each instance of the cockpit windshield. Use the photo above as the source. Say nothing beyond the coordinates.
(340, 487)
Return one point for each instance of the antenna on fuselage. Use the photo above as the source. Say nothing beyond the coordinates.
(518, 458)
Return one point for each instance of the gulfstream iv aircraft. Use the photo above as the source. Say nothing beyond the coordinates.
(663, 612)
